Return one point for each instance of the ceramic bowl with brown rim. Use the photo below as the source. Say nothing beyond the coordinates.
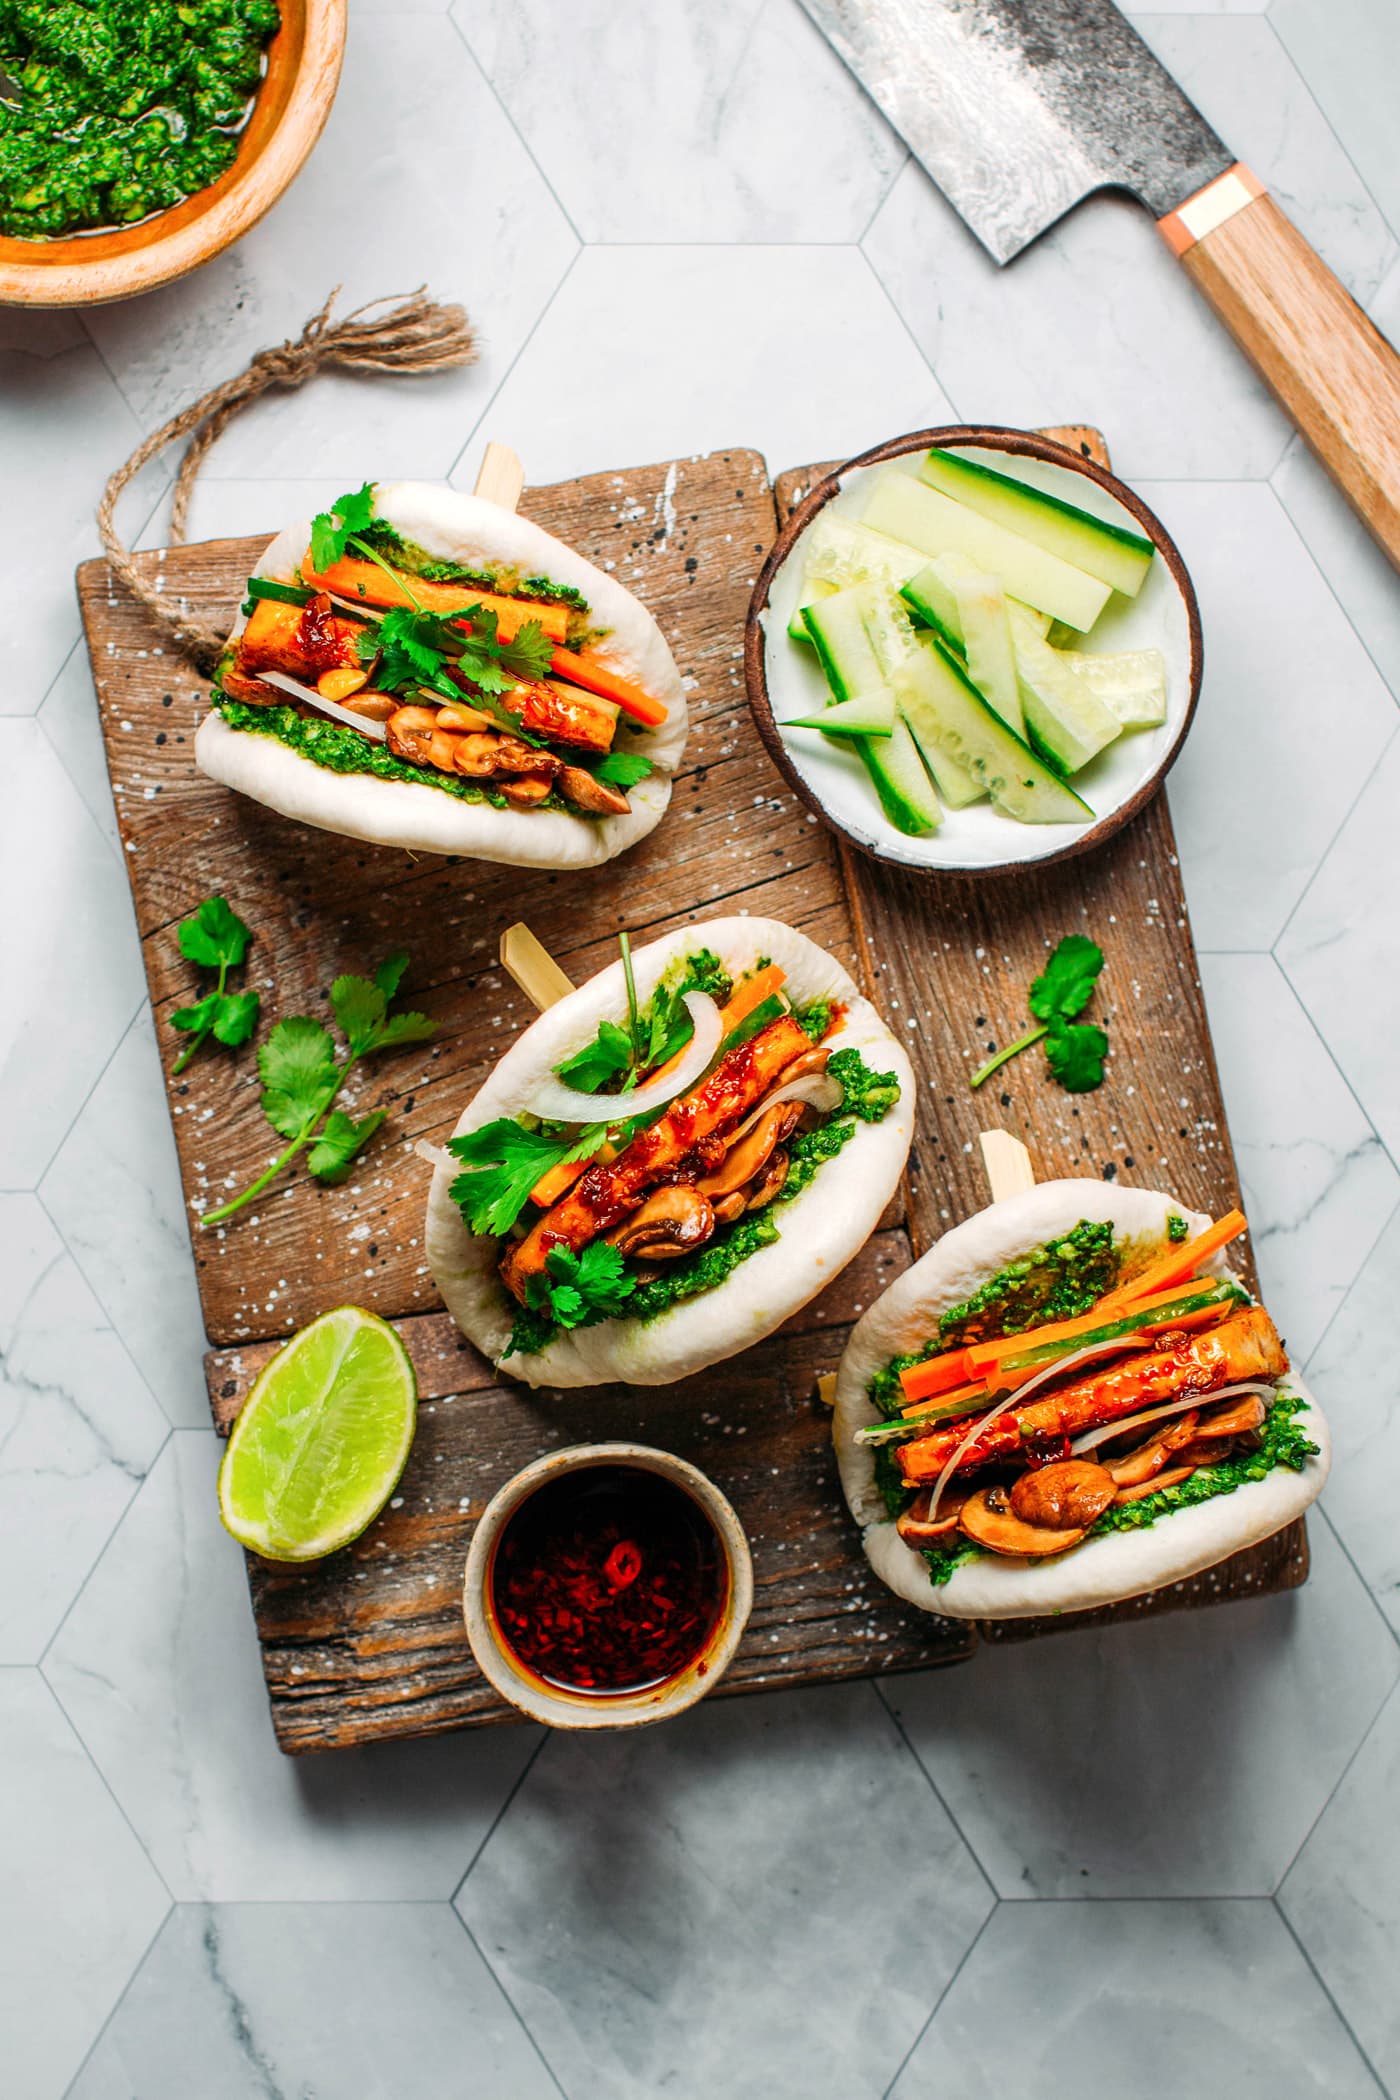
(702, 1517)
(785, 681)
(287, 117)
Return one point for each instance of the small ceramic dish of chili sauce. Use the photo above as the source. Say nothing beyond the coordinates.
(607, 1586)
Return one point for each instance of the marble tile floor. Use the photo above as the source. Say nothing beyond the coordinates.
(1163, 1859)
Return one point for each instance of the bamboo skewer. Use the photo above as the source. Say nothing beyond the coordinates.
(501, 477)
(1008, 1165)
(529, 963)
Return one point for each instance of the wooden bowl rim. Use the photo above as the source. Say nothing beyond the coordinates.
(236, 202)
(1031, 445)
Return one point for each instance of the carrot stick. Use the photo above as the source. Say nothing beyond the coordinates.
(983, 1356)
(587, 672)
(366, 583)
(941, 1374)
(1180, 1265)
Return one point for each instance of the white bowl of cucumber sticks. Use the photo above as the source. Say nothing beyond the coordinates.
(970, 650)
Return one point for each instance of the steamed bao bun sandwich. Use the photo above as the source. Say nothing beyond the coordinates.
(426, 669)
(1066, 1402)
(670, 1161)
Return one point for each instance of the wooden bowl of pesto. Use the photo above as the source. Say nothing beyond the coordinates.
(122, 169)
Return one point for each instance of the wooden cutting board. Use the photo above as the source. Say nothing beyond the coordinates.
(370, 1643)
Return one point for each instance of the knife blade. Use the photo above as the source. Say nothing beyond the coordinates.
(1019, 109)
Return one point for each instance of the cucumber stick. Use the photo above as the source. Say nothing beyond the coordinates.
(869, 714)
(892, 636)
(1116, 556)
(991, 653)
(941, 704)
(840, 552)
(810, 593)
(853, 670)
(907, 509)
(1132, 685)
(1065, 720)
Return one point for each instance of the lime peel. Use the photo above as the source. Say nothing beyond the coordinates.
(322, 1440)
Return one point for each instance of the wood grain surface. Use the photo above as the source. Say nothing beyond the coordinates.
(1328, 363)
(370, 1643)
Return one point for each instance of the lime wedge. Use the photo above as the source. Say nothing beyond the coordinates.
(322, 1439)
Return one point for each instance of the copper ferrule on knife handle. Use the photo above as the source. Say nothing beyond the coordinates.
(1210, 207)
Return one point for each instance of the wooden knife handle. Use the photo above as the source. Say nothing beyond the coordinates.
(1330, 366)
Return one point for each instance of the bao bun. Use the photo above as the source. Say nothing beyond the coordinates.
(821, 1229)
(469, 530)
(1103, 1570)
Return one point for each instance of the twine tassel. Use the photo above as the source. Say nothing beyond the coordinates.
(415, 334)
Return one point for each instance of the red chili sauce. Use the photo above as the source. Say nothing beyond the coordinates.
(608, 1580)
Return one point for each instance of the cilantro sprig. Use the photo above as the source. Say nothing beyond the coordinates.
(578, 1287)
(424, 648)
(504, 1161)
(215, 938)
(302, 1077)
(1074, 1050)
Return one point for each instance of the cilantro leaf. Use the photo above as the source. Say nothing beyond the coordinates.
(1075, 1051)
(389, 975)
(623, 768)
(333, 529)
(404, 1028)
(298, 1068)
(1066, 985)
(359, 1007)
(504, 1162)
(610, 1052)
(530, 656)
(413, 649)
(214, 936)
(339, 1139)
(235, 1017)
(579, 1287)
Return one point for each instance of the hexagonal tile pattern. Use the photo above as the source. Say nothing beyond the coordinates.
(1318, 1185)
(1355, 568)
(1052, 1754)
(114, 1192)
(78, 1429)
(1342, 1896)
(442, 192)
(69, 720)
(1167, 2001)
(71, 949)
(1353, 1372)
(1345, 935)
(313, 1998)
(1349, 53)
(592, 390)
(1095, 322)
(734, 123)
(157, 1666)
(1293, 713)
(79, 1900)
(53, 385)
(680, 1932)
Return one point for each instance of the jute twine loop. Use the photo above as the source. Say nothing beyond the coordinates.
(416, 335)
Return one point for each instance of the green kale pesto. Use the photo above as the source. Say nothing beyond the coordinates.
(340, 750)
(125, 106)
(1059, 1281)
(1177, 1227)
(868, 1097)
(1282, 1442)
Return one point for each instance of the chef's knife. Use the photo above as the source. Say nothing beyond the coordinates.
(1019, 108)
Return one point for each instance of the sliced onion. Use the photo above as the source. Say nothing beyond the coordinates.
(435, 1155)
(554, 1102)
(817, 1089)
(1106, 1431)
(308, 693)
(1014, 1399)
(373, 613)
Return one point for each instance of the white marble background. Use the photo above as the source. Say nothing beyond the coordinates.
(1158, 1861)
